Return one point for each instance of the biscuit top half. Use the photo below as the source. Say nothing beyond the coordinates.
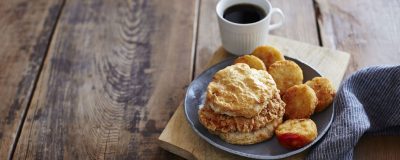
(239, 90)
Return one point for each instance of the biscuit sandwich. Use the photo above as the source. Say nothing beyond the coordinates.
(243, 105)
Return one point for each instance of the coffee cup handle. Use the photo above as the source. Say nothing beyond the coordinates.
(281, 19)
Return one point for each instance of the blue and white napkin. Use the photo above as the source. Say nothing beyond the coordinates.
(368, 102)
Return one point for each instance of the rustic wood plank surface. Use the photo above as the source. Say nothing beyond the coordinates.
(369, 31)
(114, 74)
(300, 25)
(25, 28)
(117, 70)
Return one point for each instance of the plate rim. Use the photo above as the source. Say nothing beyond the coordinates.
(226, 149)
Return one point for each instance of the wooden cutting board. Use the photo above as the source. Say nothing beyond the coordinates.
(179, 138)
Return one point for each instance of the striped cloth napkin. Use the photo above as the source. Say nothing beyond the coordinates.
(368, 102)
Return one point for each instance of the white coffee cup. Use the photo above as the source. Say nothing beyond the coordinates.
(240, 39)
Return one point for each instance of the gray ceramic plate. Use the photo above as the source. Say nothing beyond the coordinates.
(270, 149)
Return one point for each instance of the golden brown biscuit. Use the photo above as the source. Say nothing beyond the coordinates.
(268, 55)
(252, 61)
(296, 133)
(223, 123)
(300, 102)
(239, 90)
(324, 90)
(286, 74)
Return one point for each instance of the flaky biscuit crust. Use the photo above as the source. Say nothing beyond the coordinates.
(239, 90)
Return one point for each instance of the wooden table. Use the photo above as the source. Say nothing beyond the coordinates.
(100, 79)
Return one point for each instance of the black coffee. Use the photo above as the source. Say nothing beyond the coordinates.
(244, 13)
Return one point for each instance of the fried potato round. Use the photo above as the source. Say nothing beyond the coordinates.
(296, 133)
(324, 90)
(300, 102)
(286, 74)
(268, 55)
(252, 61)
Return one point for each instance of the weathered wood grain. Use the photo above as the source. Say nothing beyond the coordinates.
(300, 25)
(26, 28)
(369, 31)
(114, 74)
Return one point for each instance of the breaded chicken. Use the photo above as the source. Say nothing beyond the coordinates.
(224, 123)
(241, 130)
